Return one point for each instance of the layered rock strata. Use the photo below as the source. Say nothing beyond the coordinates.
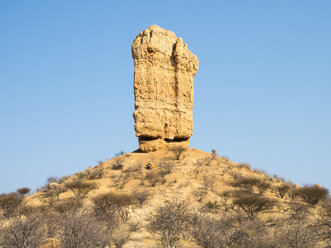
(164, 70)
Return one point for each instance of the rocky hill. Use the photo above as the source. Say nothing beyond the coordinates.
(139, 198)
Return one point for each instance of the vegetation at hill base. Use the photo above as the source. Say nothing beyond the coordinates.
(169, 198)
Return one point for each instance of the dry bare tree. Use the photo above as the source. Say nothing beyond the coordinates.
(24, 231)
(170, 221)
(81, 229)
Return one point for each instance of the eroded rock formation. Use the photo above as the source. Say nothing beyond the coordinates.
(164, 70)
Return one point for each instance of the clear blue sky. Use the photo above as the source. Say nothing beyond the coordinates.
(262, 92)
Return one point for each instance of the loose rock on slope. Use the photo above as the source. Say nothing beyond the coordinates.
(163, 87)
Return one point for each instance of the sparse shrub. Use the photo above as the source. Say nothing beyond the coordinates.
(262, 186)
(121, 235)
(199, 194)
(253, 204)
(212, 206)
(153, 177)
(67, 205)
(119, 153)
(245, 183)
(49, 196)
(209, 182)
(178, 151)
(283, 190)
(52, 179)
(140, 196)
(95, 173)
(244, 165)
(80, 188)
(120, 180)
(81, 229)
(170, 221)
(165, 168)
(117, 163)
(23, 231)
(298, 211)
(63, 179)
(9, 203)
(109, 204)
(216, 233)
(23, 191)
(312, 194)
(297, 235)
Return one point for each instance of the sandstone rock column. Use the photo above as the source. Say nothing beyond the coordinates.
(164, 70)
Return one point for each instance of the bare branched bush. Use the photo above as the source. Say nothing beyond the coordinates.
(113, 205)
(165, 168)
(178, 151)
(170, 221)
(140, 196)
(24, 231)
(117, 163)
(9, 203)
(263, 186)
(253, 204)
(153, 177)
(80, 188)
(283, 190)
(298, 211)
(95, 173)
(296, 234)
(323, 222)
(120, 180)
(215, 233)
(313, 194)
(244, 165)
(81, 229)
(121, 235)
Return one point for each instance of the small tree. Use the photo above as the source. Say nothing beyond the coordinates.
(313, 194)
(253, 204)
(170, 221)
(9, 203)
(23, 191)
(80, 188)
